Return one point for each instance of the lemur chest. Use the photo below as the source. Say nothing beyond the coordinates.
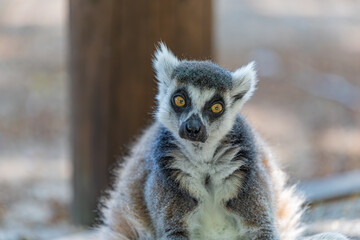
(212, 185)
(211, 220)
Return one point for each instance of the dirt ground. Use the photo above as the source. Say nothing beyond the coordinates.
(307, 104)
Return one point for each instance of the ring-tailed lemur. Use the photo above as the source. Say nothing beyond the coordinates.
(200, 171)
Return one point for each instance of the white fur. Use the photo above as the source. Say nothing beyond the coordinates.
(211, 220)
(164, 63)
(244, 80)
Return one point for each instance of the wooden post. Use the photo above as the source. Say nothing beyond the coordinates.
(112, 81)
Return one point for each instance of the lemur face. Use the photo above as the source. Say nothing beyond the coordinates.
(198, 100)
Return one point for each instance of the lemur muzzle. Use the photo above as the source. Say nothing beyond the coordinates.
(193, 129)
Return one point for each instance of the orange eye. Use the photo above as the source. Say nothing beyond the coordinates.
(216, 108)
(179, 101)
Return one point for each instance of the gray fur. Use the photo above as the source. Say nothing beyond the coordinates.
(203, 74)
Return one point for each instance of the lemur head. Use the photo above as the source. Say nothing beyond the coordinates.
(198, 100)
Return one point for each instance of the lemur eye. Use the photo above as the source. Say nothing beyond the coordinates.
(216, 108)
(179, 101)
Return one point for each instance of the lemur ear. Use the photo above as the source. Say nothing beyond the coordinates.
(164, 63)
(244, 83)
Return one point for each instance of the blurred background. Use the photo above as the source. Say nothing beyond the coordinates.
(68, 70)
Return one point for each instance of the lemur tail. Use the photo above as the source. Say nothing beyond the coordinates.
(289, 209)
(288, 203)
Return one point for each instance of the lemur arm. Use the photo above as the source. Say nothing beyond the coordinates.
(169, 208)
(254, 204)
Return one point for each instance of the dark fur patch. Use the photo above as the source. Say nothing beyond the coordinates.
(207, 180)
(207, 108)
(203, 74)
(160, 161)
(238, 97)
(241, 135)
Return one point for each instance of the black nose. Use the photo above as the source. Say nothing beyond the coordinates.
(193, 127)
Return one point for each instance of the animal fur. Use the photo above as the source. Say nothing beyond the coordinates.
(225, 188)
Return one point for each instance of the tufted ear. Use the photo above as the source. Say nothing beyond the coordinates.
(164, 63)
(244, 83)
